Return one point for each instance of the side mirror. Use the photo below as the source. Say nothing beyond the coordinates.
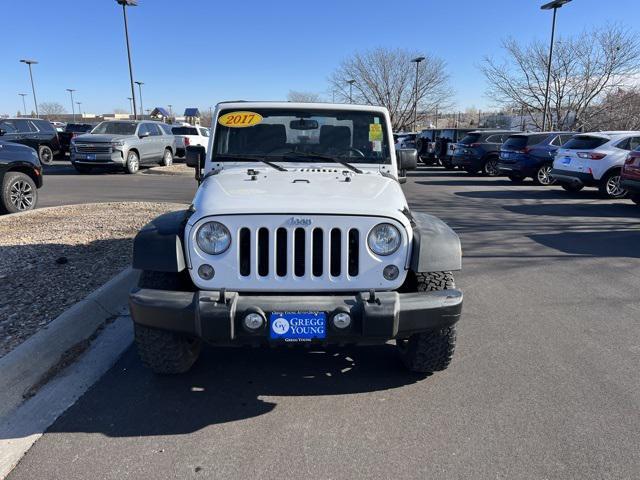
(195, 159)
(407, 159)
(143, 134)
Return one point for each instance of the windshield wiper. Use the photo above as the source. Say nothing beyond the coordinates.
(250, 158)
(319, 156)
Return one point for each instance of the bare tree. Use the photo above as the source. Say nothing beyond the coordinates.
(584, 69)
(51, 110)
(387, 77)
(619, 110)
(296, 96)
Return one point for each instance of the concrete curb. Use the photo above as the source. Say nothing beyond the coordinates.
(25, 366)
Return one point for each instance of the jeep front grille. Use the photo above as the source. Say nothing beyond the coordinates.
(299, 251)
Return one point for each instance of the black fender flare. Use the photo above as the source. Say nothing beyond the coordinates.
(436, 247)
(158, 245)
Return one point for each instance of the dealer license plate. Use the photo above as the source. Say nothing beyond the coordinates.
(566, 160)
(91, 157)
(297, 326)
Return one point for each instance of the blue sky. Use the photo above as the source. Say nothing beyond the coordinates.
(199, 52)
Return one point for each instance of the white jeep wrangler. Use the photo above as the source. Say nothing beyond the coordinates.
(298, 234)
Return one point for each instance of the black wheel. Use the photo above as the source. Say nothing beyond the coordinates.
(133, 162)
(45, 154)
(635, 199)
(430, 351)
(490, 168)
(572, 187)
(165, 352)
(82, 169)
(543, 176)
(516, 179)
(167, 158)
(19, 193)
(610, 187)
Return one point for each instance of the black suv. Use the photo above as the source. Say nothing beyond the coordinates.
(479, 150)
(20, 177)
(32, 132)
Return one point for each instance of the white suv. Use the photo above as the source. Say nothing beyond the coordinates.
(190, 135)
(299, 234)
(594, 160)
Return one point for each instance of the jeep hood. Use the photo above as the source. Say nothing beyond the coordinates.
(299, 191)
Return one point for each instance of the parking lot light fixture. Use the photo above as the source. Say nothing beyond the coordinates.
(125, 4)
(351, 82)
(140, 91)
(417, 61)
(554, 5)
(24, 105)
(33, 88)
(73, 110)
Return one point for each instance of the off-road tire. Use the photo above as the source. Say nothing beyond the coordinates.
(571, 187)
(18, 194)
(165, 353)
(430, 351)
(45, 154)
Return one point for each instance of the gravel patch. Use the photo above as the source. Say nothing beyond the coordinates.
(175, 169)
(52, 258)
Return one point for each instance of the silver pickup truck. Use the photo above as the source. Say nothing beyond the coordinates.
(124, 144)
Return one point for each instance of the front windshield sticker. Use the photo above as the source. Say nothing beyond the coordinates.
(240, 119)
(377, 146)
(375, 132)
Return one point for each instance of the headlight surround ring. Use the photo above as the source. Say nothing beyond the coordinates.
(384, 239)
(213, 238)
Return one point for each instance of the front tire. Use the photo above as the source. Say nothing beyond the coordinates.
(543, 176)
(19, 193)
(429, 352)
(132, 164)
(164, 352)
(45, 154)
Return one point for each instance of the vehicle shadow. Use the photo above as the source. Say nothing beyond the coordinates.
(547, 193)
(225, 385)
(623, 209)
(58, 168)
(612, 243)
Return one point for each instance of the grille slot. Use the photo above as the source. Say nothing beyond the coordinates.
(281, 252)
(354, 252)
(317, 258)
(263, 252)
(244, 246)
(336, 252)
(299, 252)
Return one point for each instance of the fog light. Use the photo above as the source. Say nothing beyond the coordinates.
(341, 320)
(206, 271)
(390, 272)
(253, 321)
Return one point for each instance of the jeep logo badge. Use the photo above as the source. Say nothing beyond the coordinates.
(299, 222)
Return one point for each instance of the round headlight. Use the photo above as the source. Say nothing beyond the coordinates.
(213, 238)
(384, 239)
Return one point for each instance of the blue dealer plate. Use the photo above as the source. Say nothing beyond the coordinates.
(91, 157)
(297, 326)
(566, 160)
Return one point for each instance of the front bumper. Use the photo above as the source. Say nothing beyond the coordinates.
(630, 185)
(116, 157)
(573, 178)
(216, 316)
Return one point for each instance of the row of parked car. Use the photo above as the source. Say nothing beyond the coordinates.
(609, 161)
(28, 143)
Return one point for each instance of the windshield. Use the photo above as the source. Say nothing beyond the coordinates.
(115, 128)
(292, 135)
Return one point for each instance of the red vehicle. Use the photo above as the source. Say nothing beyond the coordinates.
(630, 178)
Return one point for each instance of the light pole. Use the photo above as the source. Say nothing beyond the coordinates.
(24, 105)
(131, 106)
(555, 5)
(351, 82)
(33, 88)
(140, 90)
(79, 109)
(417, 60)
(125, 4)
(170, 111)
(73, 110)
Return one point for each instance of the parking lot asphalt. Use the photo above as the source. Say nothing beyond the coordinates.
(64, 186)
(544, 384)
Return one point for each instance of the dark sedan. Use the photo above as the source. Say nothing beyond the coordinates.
(20, 177)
